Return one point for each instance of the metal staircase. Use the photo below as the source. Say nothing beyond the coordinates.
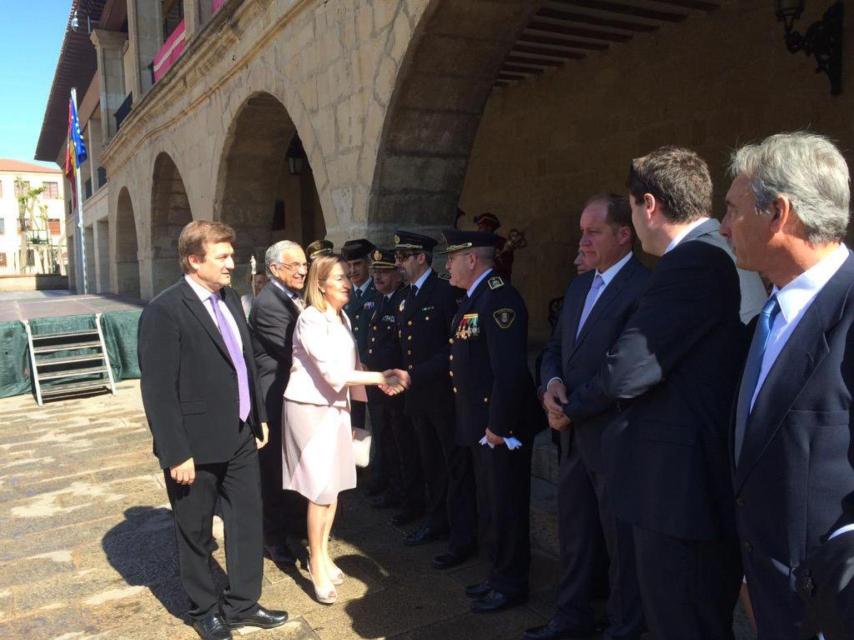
(70, 363)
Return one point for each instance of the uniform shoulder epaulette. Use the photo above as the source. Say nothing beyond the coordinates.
(445, 276)
(495, 282)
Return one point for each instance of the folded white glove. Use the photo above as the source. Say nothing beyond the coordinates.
(512, 443)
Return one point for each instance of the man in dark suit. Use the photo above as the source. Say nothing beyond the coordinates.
(207, 416)
(271, 322)
(424, 318)
(673, 373)
(359, 309)
(392, 430)
(497, 412)
(792, 445)
(595, 309)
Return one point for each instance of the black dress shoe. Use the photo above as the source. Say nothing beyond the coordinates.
(554, 631)
(451, 559)
(406, 515)
(497, 601)
(280, 554)
(212, 627)
(262, 618)
(423, 535)
(478, 590)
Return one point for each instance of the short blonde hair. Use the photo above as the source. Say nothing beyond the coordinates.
(318, 273)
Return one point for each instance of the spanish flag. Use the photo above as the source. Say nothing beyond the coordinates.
(75, 148)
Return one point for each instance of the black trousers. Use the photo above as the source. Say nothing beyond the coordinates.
(237, 484)
(587, 527)
(284, 511)
(504, 493)
(449, 475)
(689, 587)
(397, 448)
(358, 413)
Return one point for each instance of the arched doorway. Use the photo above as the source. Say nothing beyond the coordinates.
(170, 212)
(127, 261)
(266, 188)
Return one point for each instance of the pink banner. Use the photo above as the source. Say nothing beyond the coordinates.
(169, 53)
(216, 5)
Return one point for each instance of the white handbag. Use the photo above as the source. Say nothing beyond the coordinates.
(361, 447)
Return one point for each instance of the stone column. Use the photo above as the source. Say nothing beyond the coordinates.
(108, 48)
(145, 33)
(94, 145)
(192, 19)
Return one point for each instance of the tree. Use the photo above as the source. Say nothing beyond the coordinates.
(34, 229)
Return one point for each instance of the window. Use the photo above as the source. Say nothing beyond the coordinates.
(31, 258)
(51, 190)
(53, 226)
(2, 259)
(2, 226)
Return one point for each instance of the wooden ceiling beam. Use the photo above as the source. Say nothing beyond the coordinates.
(512, 68)
(583, 18)
(532, 38)
(579, 32)
(539, 62)
(627, 10)
(543, 51)
(699, 5)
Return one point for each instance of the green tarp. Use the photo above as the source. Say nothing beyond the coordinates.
(119, 328)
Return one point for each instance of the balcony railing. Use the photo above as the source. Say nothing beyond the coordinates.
(123, 111)
(169, 53)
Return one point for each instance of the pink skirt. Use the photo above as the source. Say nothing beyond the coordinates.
(317, 451)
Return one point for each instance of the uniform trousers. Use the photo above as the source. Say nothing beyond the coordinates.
(451, 501)
(689, 587)
(504, 499)
(237, 484)
(397, 448)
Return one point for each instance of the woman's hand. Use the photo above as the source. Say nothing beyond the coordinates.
(396, 381)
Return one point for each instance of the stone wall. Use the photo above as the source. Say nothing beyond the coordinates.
(710, 83)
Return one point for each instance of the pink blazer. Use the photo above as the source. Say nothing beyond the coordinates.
(324, 358)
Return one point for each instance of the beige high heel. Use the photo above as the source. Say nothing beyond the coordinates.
(328, 597)
(337, 576)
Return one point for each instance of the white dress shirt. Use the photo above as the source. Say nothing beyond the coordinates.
(480, 278)
(681, 235)
(205, 296)
(794, 299)
(293, 295)
(363, 287)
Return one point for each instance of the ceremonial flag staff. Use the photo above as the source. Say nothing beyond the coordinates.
(75, 155)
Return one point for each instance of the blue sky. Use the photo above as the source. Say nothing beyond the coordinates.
(30, 38)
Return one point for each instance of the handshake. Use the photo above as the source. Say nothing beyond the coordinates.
(396, 381)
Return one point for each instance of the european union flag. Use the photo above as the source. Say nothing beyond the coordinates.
(75, 148)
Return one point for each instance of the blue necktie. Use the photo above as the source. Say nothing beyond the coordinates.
(752, 368)
(590, 301)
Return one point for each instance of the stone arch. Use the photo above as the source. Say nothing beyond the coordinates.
(127, 249)
(257, 193)
(445, 79)
(170, 212)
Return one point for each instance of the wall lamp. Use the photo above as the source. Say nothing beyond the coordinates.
(822, 39)
(296, 157)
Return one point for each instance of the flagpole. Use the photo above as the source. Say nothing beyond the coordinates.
(79, 209)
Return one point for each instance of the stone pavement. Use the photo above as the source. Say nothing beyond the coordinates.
(23, 305)
(87, 546)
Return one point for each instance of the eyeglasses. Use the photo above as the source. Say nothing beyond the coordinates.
(457, 254)
(403, 256)
(293, 266)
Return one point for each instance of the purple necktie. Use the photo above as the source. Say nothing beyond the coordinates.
(235, 354)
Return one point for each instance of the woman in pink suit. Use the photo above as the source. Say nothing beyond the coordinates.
(317, 439)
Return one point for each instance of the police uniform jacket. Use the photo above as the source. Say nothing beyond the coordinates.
(383, 343)
(360, 310)
(489, 365)
(425, 331)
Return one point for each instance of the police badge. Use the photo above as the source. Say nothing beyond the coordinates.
(504, 317)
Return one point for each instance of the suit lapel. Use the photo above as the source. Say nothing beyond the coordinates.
(197, 308)
(285, 300)
(802, 353)
(608, 296)
(409, 310)
(575, 305)
(467, 303)
(709, 226)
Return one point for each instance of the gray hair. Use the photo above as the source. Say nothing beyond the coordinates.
(485, 254)
(809, 170)
(275, 251)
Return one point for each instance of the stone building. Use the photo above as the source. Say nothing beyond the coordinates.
(344, 118)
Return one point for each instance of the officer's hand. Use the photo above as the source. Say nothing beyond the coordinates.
(555, 396)
(265, 436)
(183, 473)
(559, 421)
(493, 439)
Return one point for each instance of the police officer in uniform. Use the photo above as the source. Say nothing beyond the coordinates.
(497, 412)
(424, 317)
(359, 309)
(392, 431)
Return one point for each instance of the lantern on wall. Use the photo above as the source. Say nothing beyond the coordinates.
(822, 39)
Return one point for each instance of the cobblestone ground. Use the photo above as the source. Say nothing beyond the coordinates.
(87, 546)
